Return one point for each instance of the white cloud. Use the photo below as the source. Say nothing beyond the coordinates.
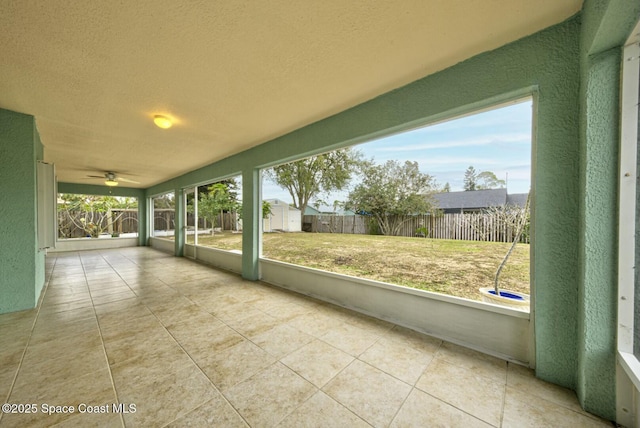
(484, 140)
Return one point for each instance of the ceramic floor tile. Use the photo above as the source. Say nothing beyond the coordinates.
(321, 411)
(97, 300)
(369, 393)
(523, 410)
(315, 323)
(147, 365)
(227, 309)
(146, 344)
(267, 397)
(103, 290)
(370, 324)
(285, 310)
(17, 318)
(124, 323)
(70, 346)
(52, 297)
(61, 307)
(196, 321)
(395, 358)
(12, 338)
(523, 379)
(281, 340)
(463, 388)
(421, 409)
(160, 399)
(92, 420)
(95, 388)
(52, 370)
(412, 339)
(68, 316)
(216, 412)
(235, 364)
(106, 308)
(190, 345)
(253, 324)
(183, 313)
(318, 362)
(482, 364)
(8, 371)
(45, 331)
(201, 344)
(351, 339)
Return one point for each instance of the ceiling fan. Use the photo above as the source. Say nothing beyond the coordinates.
(112, 179)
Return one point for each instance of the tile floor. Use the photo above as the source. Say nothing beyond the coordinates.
(188, 345)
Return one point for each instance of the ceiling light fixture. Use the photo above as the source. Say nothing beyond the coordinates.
(162, 121)
(111, 182)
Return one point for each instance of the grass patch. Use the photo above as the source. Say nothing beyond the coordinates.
(456, 268)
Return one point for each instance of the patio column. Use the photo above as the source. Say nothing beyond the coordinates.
(179, 231)
(251, 228)
(143, 210)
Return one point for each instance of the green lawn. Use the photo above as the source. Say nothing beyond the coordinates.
(457, 268)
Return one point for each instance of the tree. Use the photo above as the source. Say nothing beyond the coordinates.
(524, 220)
(481, 181)
(488, 180)
(93, 214)
(470, 179)
(446, 188)
(322, 173)
(392, 193)
(266, 210)
(218, 198)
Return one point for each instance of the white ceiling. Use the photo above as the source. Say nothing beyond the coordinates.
(232, 74)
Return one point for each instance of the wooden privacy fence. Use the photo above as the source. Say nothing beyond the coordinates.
(353, 224)
(469, 227)
(116, 220)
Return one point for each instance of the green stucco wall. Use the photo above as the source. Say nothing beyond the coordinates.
(606, 25)
(21, 264)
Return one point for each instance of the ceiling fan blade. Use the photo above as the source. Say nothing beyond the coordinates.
(95, 176)
(126, 180)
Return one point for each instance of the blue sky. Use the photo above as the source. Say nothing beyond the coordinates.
(498, 140)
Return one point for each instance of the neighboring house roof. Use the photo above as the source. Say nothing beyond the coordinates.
(478, 199)
(309, 210)
(517, 199)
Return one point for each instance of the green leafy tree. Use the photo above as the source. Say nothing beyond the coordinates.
(166, 201)
(93, 214)
(484, 180)
(446, 188)
(266, 210)
(306, 178)
(470, 179)
(488, 180)
(218, 198)
(392, 193)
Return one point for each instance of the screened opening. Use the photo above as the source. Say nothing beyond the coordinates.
(214, 215)
(163, 216)
(96, 216)
(436, 208)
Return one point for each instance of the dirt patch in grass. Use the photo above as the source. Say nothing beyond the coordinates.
(456, 268)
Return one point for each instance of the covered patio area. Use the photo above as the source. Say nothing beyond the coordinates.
(137, 337)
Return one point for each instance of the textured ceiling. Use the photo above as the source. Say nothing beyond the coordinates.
(233, 74)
